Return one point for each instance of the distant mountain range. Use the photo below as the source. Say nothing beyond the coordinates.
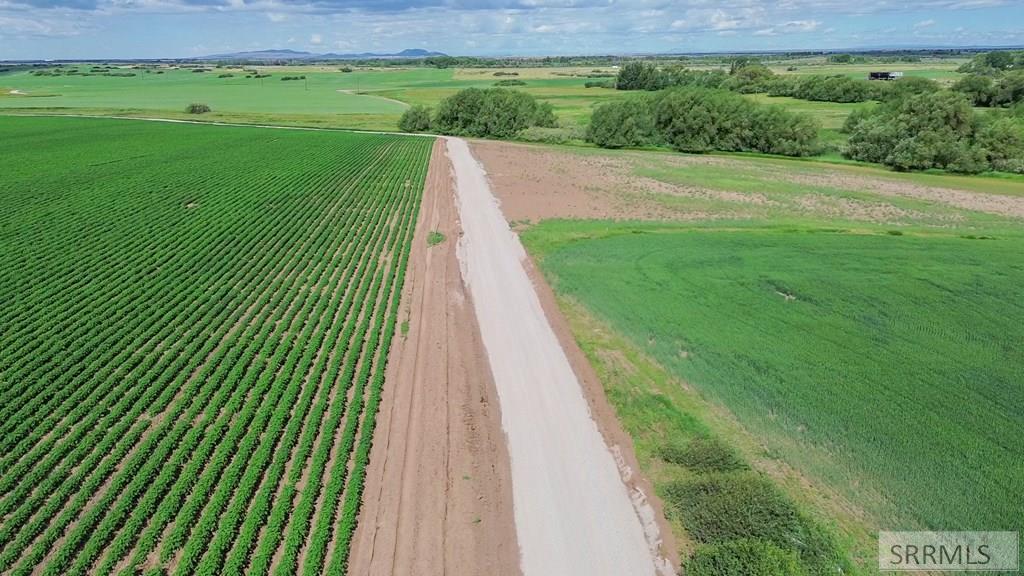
(298, 55)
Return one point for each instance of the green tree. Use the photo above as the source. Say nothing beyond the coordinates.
(749, 79)
(639, 75)
(492, 112)
(698, 120)
(980, 90)
(1010, 89)
(920, 132)
(623, 123)
(910, 86)
(415, 119)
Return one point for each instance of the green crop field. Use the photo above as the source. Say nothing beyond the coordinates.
(870, 342)
(194, 334)
(365, 98)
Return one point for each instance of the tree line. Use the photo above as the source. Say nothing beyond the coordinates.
(991, 82)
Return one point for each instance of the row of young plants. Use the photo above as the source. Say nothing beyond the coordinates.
(144, 388)
(168, 507)
(64, 387)
(172, 428)
(134, 413)
(371, 256)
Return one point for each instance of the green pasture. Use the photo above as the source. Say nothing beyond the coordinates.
(364, 98)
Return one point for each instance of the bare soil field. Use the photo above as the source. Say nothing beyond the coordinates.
(438, 498)
(537, 182)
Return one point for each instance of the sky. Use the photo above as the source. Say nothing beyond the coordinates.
(52, 29)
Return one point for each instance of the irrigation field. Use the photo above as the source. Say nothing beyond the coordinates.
(194, 324)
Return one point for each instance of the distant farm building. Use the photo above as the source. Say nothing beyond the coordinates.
(885, 75)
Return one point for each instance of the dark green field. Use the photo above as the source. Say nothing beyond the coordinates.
(193, 336)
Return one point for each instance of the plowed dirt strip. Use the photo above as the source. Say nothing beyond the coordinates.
(438, 498)
(573, 513)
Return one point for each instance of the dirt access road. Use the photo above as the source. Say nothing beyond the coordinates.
(438, 497)
(573, 513)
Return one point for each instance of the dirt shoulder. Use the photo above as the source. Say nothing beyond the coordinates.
(438, 498)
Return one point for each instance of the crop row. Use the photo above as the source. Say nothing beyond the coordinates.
(196, 344)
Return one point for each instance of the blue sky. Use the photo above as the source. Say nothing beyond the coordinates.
(182, 28)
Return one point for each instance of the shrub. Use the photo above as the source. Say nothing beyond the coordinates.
(512, 82)
(699, 120)
(749, 78)
(980, 90)
(545, 135)
(824, 88)
(703, 455)
(1009, 90)
(927, 131)
(599, 84)
(415, 119)
(640, 76)
(722, 507)
(994, 63)
(745, 557)
(909, 86)
(718, 508)
(491, 112)
(1002, 142)
(622, 124)
(197, 109)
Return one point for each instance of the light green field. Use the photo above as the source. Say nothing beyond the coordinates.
(942, 69)
(365, 98)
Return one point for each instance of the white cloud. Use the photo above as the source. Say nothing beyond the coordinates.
(62, 26)
(800, 26)
(925, 24)
(490, 26)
